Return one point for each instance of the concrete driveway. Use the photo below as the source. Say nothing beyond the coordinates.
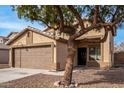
(9, 74)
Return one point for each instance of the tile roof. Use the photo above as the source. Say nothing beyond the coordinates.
(12, 33)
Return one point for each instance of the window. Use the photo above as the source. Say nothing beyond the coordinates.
(94, 53)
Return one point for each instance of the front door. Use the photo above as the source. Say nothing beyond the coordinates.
(82, 56)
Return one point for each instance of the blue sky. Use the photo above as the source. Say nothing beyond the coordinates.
(9, 22)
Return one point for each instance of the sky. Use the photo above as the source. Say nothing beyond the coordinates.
(10, 22)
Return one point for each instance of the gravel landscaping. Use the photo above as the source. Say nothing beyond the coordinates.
(87, 78)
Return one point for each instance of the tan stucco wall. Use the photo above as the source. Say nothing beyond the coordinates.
(61, 54)
(10, 57)
(107, 51)
(112, 48)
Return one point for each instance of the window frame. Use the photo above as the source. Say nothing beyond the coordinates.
(97, 53)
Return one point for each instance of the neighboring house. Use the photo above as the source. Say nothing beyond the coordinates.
(3, 39)
(33, 48)
(4, 56)
(4, 50)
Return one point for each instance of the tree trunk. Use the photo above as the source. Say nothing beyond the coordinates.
(69, 63)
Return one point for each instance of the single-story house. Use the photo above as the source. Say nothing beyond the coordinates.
(3, 39)
(4, 56)
(33, 48)
(4, 49)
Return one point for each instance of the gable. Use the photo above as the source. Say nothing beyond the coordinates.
(93, 34)
(20, 40)
(29, 37)
(38, 38)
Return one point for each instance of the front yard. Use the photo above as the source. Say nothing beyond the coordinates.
(87, 78)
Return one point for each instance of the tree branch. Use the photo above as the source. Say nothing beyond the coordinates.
(114, 15)
(117, 21)
(61, 17)
(95, 16)
(77, 15)
(37, 18)
(109, 25)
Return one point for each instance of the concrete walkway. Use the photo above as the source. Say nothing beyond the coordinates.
(9, 74)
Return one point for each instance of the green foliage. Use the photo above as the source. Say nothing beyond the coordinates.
(48, 15)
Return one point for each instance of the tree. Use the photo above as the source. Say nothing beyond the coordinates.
(62, 18)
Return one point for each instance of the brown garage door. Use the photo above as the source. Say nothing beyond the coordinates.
(4, 56)
(33, 57)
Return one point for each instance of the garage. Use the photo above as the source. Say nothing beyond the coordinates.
(31, 48)
(39, 57)
(4, 54)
